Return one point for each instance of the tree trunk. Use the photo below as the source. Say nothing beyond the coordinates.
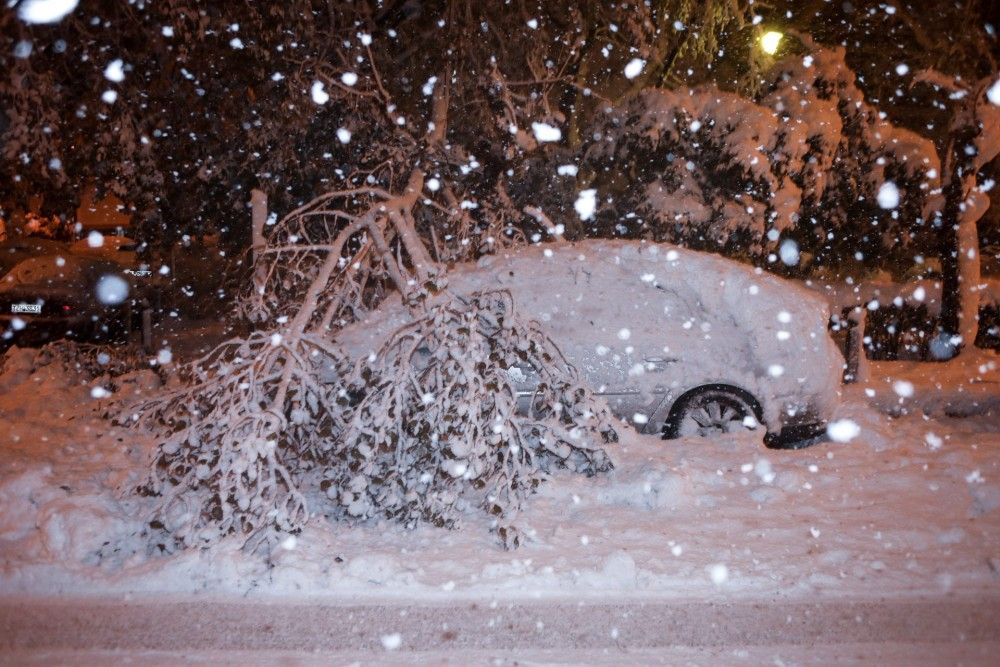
(258, 217)
(968, 260)
(960, 259)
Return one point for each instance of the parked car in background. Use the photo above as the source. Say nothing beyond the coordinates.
(15, 251)
(86, 292)
(678, 342)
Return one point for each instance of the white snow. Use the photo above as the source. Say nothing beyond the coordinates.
(903, 388)
(109, 96)
(392, 641)
(99, 392)
(349, 78)
(586, 204)
(545, 132)
(878, 505)
(95, 239)
(843, 430)
(789, 252)
(319, 94)
(236, 43)
(45, 11)
(902, 69)
(111, 289)
(433, 184)
(634, 68)
(993, 93)
(567, 170)
(718, 573)
(888, 195)
(115, 71)
(344, 135)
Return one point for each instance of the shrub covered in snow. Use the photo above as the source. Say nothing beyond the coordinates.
(437, 429)
(418, 432)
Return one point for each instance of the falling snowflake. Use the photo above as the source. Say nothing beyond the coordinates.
(115, 71)
(586, 204)
(843, 430)
(634, 68)
(888, 195)
(111, 290)
(319, 94)
(45, 11)
(789, 252)
(545, 132)
(903, 388)
(718, 573)
(993, 93)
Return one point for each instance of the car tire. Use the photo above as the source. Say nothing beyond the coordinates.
(710, 411)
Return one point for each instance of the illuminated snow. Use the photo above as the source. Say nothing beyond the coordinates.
(843, 430)
(319, 94)
(634, 68)
(586, 204)
(115, 71)
(45, 11)
(111, 290)
(545, 132)
(888, 195)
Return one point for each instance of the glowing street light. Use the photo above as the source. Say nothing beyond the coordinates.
(769, 41)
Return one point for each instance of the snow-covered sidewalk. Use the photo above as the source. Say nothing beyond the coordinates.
(967, 386)
(910, 508)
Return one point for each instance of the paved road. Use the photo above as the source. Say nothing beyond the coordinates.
(895, 631)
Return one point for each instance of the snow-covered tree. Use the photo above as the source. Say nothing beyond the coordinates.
(810, 159)
(974, 141)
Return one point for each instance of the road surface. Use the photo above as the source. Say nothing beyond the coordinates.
(899, 631)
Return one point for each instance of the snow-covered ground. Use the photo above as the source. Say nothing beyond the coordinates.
(910, 507)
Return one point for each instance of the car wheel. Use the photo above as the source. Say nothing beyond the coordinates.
(711, 412)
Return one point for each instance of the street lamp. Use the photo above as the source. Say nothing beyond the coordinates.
(769, 41)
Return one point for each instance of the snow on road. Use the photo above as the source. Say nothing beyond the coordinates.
(910, 507)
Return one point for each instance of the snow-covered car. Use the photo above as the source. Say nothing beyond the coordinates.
(15, 251)
(54, 296)
(678, 342)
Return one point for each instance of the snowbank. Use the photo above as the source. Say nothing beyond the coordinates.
(909, 507)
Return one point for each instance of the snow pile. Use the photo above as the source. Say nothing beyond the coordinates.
(885, 515)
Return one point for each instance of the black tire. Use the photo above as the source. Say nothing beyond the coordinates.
(711, 411)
